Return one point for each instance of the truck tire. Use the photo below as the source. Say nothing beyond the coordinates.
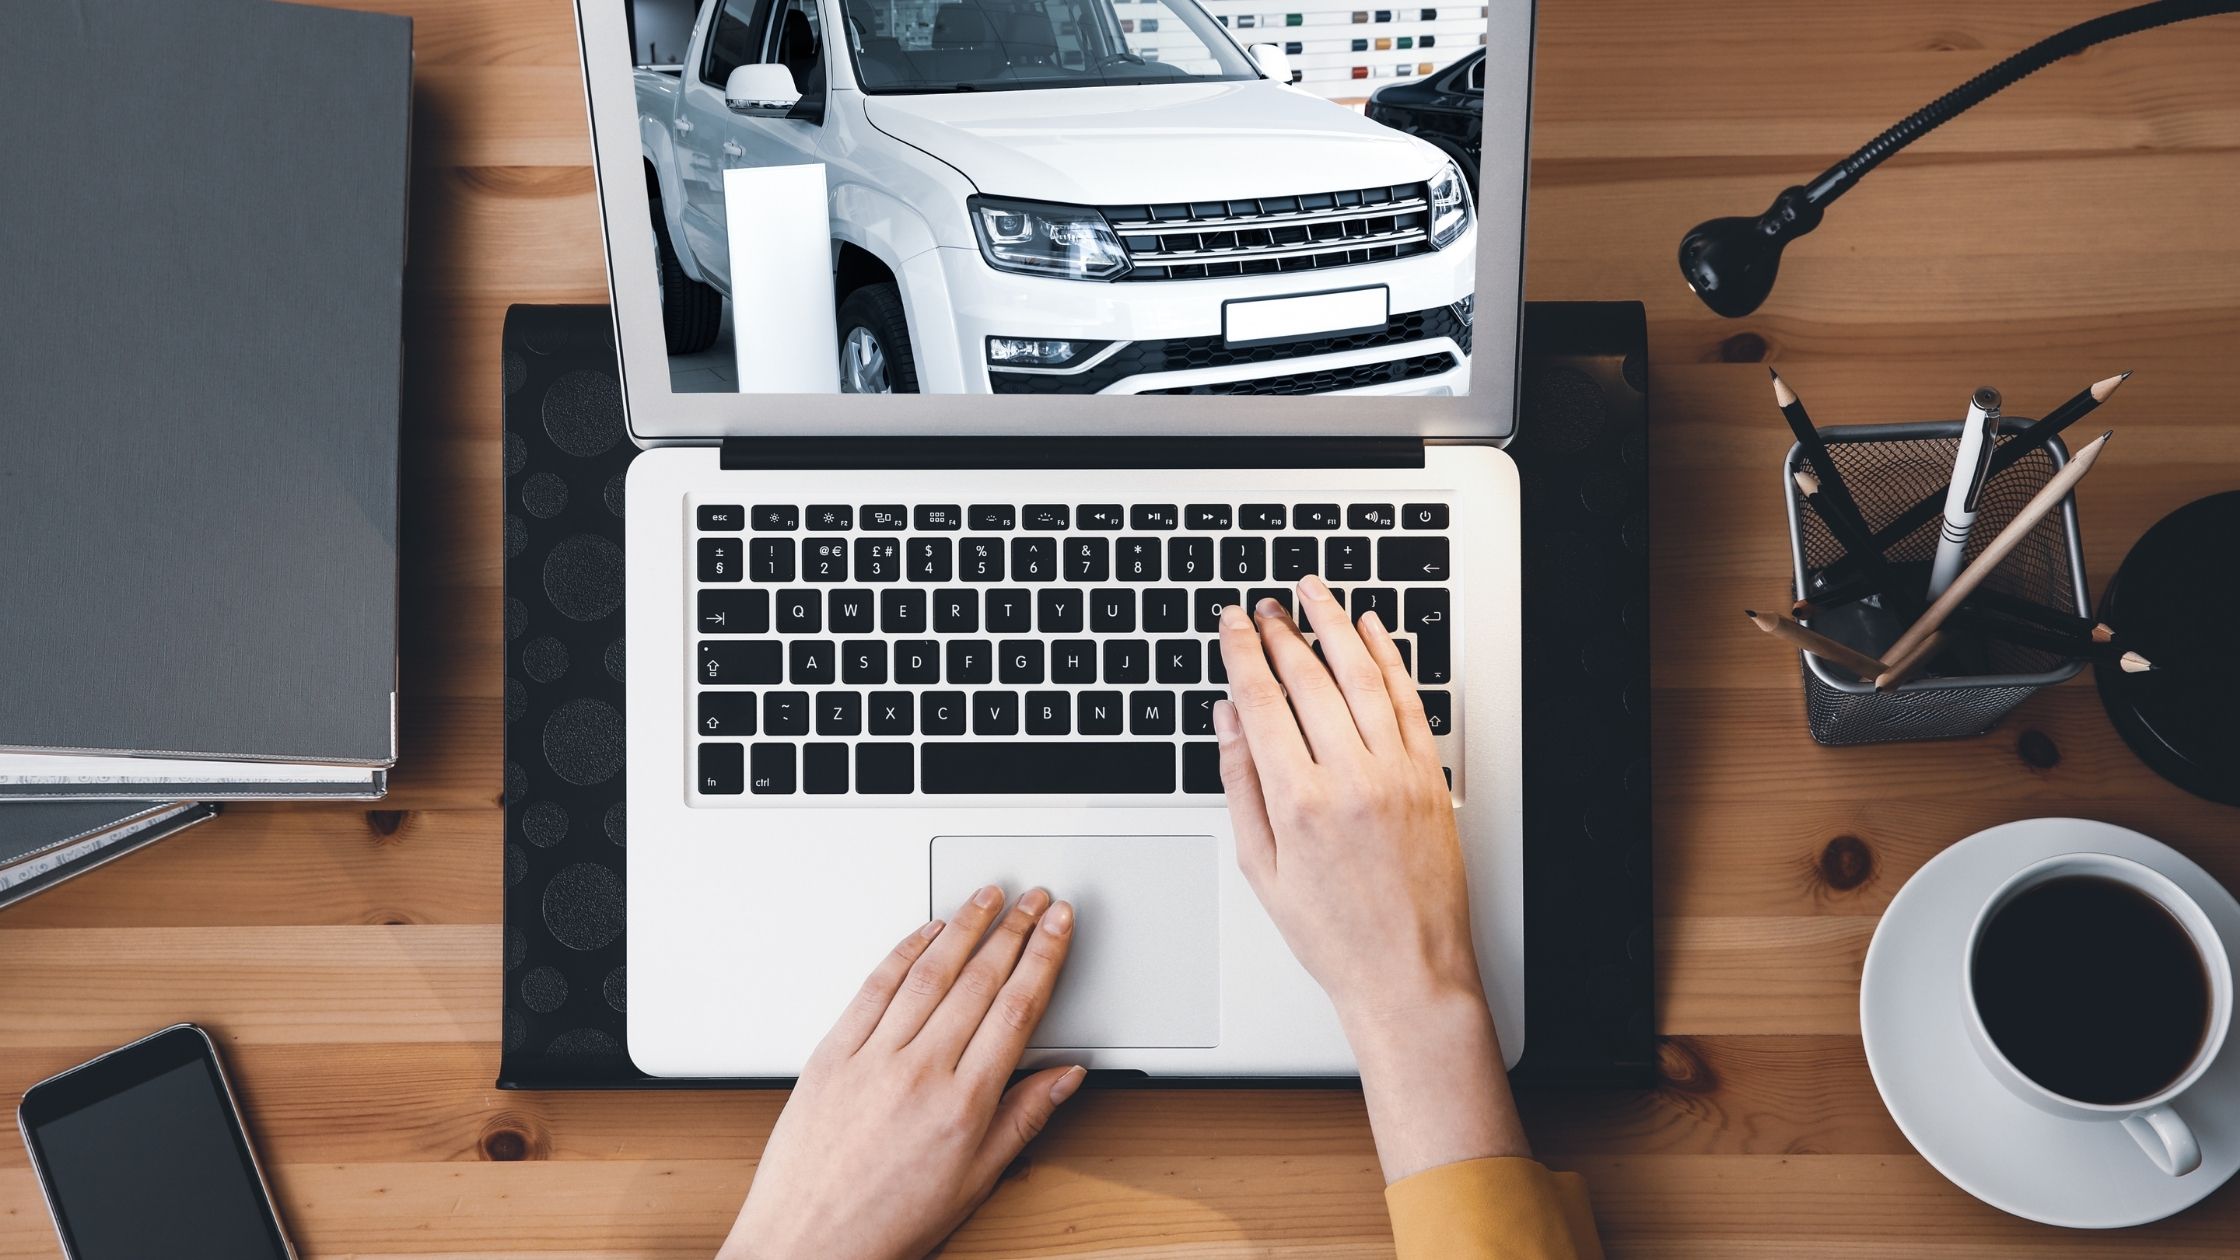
(691, 312)
(875, 353)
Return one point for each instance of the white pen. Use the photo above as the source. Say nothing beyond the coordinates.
(1979, 434)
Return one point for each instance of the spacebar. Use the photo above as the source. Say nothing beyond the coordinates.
(1058, 766)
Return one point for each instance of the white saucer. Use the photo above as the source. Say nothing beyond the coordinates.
(2082, 1175)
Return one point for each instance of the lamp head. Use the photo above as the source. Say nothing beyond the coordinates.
(1731, 263)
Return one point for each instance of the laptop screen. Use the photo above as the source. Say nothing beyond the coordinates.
(1065, 198)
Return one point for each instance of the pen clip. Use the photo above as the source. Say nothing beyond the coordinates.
(1984, 451)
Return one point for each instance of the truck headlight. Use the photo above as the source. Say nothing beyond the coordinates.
(1038, 239)
(1450, 207)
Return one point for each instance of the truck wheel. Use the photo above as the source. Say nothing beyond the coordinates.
(875, 343)
(691, 312)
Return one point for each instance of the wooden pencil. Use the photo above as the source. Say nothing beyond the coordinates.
(2133, 663)
(2020, 609)
(1818, 644)
(1911, 663)
(1816, 452)
(1846, 527)
(2039, 507)
(2060, 641)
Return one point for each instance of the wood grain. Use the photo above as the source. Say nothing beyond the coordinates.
(2079, 224)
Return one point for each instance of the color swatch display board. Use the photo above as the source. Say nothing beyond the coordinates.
(1340, 50)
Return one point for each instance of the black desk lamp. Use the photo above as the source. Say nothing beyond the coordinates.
(1730, 263)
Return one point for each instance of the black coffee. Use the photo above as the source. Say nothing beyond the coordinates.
(2091, 989)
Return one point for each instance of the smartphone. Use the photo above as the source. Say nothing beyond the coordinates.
(141, 1153)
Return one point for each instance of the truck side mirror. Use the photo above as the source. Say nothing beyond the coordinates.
(761, 90)
(1273, 61)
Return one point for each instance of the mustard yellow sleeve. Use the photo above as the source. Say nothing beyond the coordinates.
(1505, 1208)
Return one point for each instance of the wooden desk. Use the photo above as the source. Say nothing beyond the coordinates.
(2082, 223)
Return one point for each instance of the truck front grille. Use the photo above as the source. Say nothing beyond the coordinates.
(1183, 354)
(1264, 235)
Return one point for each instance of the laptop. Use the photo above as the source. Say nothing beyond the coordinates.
(981, 351)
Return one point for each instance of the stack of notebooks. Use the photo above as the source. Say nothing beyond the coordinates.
(199, 395)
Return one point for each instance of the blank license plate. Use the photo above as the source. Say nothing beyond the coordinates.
(1259, 321)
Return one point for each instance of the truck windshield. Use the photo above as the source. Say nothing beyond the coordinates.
(916, 46)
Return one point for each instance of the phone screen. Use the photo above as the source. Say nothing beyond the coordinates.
(142, 1156)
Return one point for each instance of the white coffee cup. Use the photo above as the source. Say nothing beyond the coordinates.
(2153, 1122)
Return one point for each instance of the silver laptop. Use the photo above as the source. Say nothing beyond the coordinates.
(982, 351)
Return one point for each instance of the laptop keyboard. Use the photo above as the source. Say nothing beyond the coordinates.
(1019, 649)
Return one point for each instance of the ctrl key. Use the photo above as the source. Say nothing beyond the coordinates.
(722, 769)
(772, 770)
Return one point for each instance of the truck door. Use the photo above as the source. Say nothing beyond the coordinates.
(787, 32)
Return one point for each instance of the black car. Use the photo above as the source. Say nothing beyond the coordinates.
(1448, 109)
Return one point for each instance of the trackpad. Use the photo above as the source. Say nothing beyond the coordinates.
(1146, 963)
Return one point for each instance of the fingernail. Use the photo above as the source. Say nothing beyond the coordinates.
(1062, 1088)
(1060, 919)
(1312, 587)
(1233, 615)
(1268, 607)
(931, 929)
(988, 898)
(1225, 719)
(1035, 902)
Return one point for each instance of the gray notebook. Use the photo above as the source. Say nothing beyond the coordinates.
(203, 242)
(43, 844)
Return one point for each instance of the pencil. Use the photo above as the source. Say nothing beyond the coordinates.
(1912, 663)
(2000, 548)
(2030, 634)
(2133, 663)
(1847, 529)
(1818, 644)
(1816, 451)
(2017, 608)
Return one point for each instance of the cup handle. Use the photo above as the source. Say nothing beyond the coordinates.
(2166, 1139)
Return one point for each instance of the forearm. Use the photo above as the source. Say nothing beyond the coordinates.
(1433, 1079)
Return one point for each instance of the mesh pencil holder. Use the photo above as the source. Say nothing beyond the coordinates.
(1888, 468)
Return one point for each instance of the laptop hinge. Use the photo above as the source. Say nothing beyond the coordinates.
(766, 453)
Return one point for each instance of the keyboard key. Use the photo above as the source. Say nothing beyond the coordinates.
(739, 663)
(1370, 516)
(830, 517)
(824, 560)
(1127, 661)
(1049, 713)
(1315, 516)
(995, 712)
(1424, 516)
(1101, 712)
(1136, 559)
(1152, 516)
(1407, 655)
(1294, 559)
(1197, 711)
(902, 612)
(839, 713)
(812, 661)
(1151, 713)
(1058, 611)
(1430, 617)
(1034, 559)
(1065, 767)
(885, 517)
(1099, 516)
(1438, 710)
(729, 713)
(942, 712)
(1010, 611)
(824, 769)
(770, 559)
(1260, 516)
(719, 560)
(971, 661)
(980, 559)
(1206, 516)
(1244, 559)
(991, 516)
(772, 770)
(1112, 612)
(850, 611)
(1345, 558)
(1176, 660)
(776, 517)
(1088, 560)
(1165, 610)
(890, 714)
(1217, 668)
(1046, 516)
(878, 560)
(800, 612)
(1201, 768)
(723, 769)
(863, 661)
(1073, 661)
(728, 518)
(1190, 559)
(917, 661)
(1280, 594)
(939, 516)
(1019, 661)
(1209, 601)
(785, 712)
(883, 769)
(929, 559)
(1412, 560)
(1381, 600)
(956, 611)
(735, 612)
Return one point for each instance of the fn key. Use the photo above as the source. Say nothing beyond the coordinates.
(722, 769)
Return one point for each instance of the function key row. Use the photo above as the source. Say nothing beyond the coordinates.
(785, 518)
(1175, 557)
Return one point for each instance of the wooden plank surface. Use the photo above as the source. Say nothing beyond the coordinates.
(2079, 224)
